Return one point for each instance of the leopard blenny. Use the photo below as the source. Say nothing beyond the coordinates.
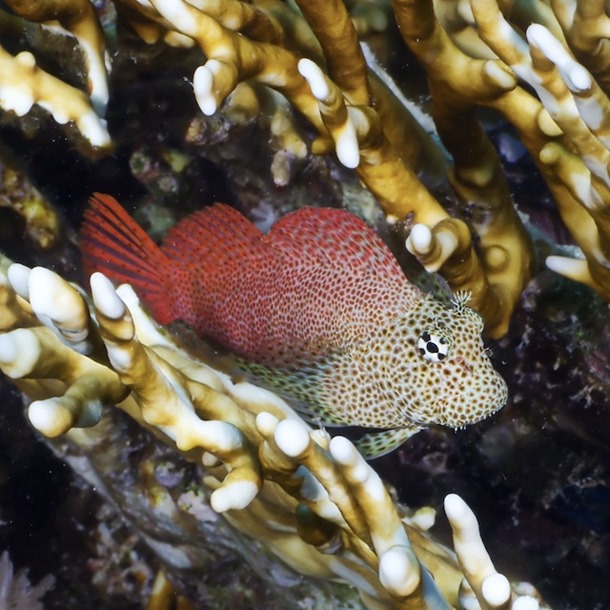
(318, 309)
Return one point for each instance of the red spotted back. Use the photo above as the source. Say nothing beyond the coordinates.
(314, 283)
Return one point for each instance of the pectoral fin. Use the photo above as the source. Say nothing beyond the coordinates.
(375, 444)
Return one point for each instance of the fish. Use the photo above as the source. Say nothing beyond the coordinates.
(317, 309)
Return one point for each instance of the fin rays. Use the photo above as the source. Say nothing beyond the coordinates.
(113, 243)
(381, 442)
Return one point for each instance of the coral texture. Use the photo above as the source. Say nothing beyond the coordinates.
(252, 104)
(16, 590)
(313, 60)
(313, 501)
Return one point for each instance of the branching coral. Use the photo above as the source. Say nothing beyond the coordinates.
(564, 128)
(262, 45)
(314, 502)
(24, 84)
(77, 19)
(472, 58)
(268, 472)
(354, 112)
(572, 147)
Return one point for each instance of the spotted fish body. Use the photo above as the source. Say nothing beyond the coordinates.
(318, 309)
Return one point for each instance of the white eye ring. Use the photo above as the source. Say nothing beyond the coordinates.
(433, 347)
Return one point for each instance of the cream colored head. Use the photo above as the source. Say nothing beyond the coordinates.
(430, 367)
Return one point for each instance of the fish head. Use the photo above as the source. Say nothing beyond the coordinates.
(438, 370)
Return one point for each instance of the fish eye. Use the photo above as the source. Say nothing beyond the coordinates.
(433, 346)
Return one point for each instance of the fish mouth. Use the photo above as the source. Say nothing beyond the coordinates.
(471, 405)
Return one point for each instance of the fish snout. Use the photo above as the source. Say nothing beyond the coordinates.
(475, 400)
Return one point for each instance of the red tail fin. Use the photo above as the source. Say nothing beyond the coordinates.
(113, 243)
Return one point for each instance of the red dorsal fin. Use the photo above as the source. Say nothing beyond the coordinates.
(212, 238)
(225, 265)
(114, 244)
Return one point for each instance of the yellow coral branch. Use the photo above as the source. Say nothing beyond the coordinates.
(332, 25)
(78, 18)
(321, 508)
(571, 147)
(24, 84)
(458, 84)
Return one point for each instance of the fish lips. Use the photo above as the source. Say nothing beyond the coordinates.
(472, 403)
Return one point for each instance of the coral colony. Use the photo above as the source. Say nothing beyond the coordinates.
(312, 501)
(265, 468)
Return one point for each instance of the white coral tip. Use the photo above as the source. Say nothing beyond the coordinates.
(50, 417)
(575, 76)
(52, 296)
(314, 76)
(344, 451)
(94, 129)
(420, 240)
(292, 437)
(398, 572)
(495, 589)
(18, 276)
(203, 87)
(574, 268)
(455, 508)
(266, 423)
(235, 495)
(19, 352)
(346, 145)
(9, 349)
(458, 512)
(526, 603)
(105, 298)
